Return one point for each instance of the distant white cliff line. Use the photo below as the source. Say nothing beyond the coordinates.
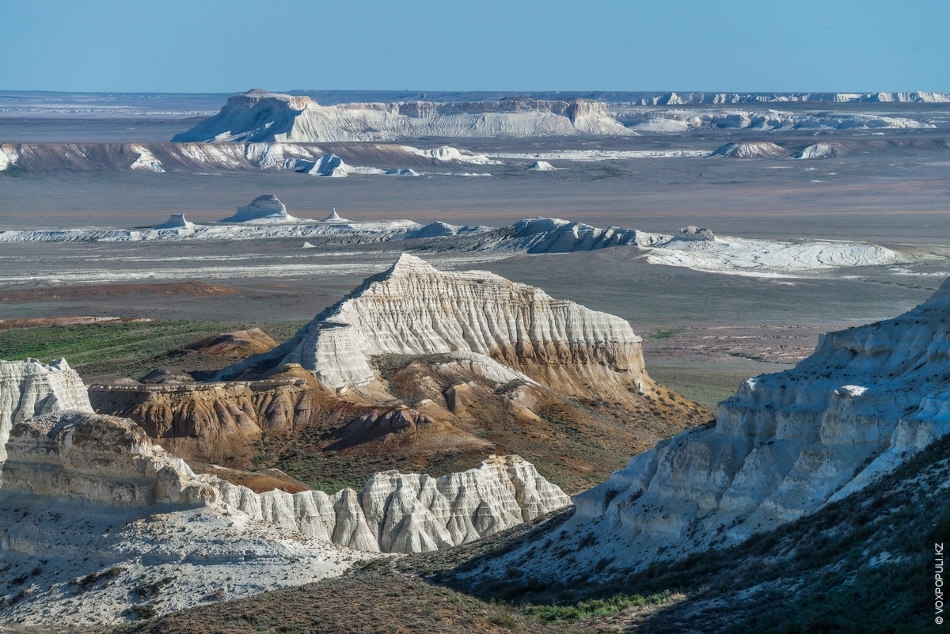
(725, 255)
(262, 116)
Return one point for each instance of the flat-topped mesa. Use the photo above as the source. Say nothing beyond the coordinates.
(414, 309)
(30, 388)
(265, 208)
(107, 460)
(260, 116)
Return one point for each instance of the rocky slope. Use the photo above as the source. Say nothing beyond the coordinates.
(414, 309)
(30, 388)
(783, 447)
(100, 525)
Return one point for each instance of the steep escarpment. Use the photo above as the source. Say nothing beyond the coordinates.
(783, 447)
(29, 388)
(261, 116)
(214, 422)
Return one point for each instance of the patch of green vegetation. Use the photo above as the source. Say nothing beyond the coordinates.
(594, 608)
(116, 349)
(664, 334)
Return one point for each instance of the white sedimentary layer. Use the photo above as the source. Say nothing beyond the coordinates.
(816, 151)
(264, 209)
(109, 460)
(782, 447)
(263, 116)
(761, 149)
(103, 520)
(677, 120)
(769, 258)
(30, 388)
(260, 116)
(100, 522)
(413, 308)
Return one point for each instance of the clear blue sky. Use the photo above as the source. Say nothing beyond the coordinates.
(235, 45)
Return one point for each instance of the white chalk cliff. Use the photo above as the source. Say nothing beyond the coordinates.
(261, 116)
(108, 460)
(782, 447)
(412, 308)
(30, 388)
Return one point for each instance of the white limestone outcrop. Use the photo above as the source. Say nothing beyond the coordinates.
(413, 308)
(407, 513)
(266, 208)
(782, 447)
(261, 116)
(29, 388)
(816, 151)
(107, 460)
(761, 149)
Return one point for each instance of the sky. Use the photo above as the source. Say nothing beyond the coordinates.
(529, 45)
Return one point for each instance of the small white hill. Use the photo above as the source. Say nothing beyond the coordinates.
(327, 165)
(176, 221)
(541, 166)
(762, 149)
(816, 151)
(334, 217)
(265, 209)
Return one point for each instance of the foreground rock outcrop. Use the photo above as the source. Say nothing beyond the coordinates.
(29, 388)
(109, 460)
(784, 446)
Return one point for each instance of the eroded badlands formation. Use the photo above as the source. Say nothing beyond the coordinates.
(419, 365)
(102, 518)
(30, 388)
(785, 445)
(415, 309)
(259, 116)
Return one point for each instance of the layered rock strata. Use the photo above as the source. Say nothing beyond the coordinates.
(29, 388)
(214, 422)
(782, 447)
(110, 460)
(261, 116)
(415, 309)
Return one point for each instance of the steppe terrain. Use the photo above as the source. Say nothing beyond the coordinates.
(804, 246)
